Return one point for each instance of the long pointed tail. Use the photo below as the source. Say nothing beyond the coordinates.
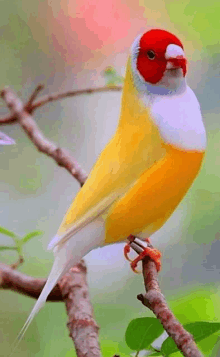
(66, 256)
(55, 274)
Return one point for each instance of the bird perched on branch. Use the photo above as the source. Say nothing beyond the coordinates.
(146, 168)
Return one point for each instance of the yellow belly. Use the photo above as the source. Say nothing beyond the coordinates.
(154, 197)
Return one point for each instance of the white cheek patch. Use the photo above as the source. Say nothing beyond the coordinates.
(179, 120)
(174, 51)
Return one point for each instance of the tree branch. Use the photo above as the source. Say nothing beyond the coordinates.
(155, 301)
(11, 279)
(82, 327)
(29, 126)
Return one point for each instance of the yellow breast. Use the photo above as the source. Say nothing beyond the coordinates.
(154, 197)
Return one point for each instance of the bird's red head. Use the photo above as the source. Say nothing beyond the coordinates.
(159, 51)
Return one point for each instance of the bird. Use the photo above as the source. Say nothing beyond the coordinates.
(146, 168)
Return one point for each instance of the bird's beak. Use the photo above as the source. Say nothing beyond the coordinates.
(177, 62)
(176, 58)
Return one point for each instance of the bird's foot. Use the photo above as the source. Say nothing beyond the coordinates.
(151, 252)
(127, 247)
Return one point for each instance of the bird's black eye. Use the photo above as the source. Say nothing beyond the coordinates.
(151, 54)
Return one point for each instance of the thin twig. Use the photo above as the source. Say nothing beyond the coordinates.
(32, 105)
(18, 262)
(57, 96)
(155, 301)
(33, 96)
(30, 127)
(8, 119)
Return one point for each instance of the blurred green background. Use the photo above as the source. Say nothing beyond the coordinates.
(67, 45)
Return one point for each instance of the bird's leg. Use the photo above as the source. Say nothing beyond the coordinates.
(127, 247)
(133, 239)
(149, 251)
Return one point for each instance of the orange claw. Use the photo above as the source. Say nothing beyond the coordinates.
(154, 254)
(127, 249)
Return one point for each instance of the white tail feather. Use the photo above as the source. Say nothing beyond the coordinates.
(66, 256)
(54, 276)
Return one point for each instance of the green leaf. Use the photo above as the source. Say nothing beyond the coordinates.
(199, 330)
(142, 332)
(155, 354)
(7, 232)
(5, 247)
(31, 235)
(216, 350)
